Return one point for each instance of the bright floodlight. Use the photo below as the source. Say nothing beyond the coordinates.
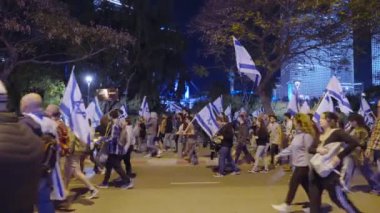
(88, 79)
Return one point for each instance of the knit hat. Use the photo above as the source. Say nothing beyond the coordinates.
(3, 97)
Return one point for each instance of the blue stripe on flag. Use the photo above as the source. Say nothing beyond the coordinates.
(212, 116)
(66, 111)
(204, 125)
(237, 43)
(247, 66)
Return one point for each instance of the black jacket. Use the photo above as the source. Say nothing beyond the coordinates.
(227, 131)
(21, 154)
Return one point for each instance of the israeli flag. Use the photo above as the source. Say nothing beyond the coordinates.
(293, 105)
(173, 107)
(305, 108)
(94, 113)
(237, 113)
(144, 109)
(335, 90)
(123, 110)
(228, 113)
(245, 63)
(74, 112)
(207, 120)
(217, 105)
(326, 105)
(366, 112)
(258, 112)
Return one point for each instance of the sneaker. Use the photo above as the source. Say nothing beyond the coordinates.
(235, 173)
(218, 175)
(253, 171)
(93, 193)
(375, 191)
(264, 171)
(103, 186)
(282, 207)
(127, 186)
(148, 156)
(306, 210)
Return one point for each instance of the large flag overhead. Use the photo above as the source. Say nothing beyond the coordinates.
(305, 108)
(245, 63)
(326, 105)
(293, 105)
(144, 109)
(74, 111)
(335, 90)
(228, 113)
(207, 120)
(366, 112)
(94, 113)
(217, 105)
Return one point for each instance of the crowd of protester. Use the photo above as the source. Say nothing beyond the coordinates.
(295, 144)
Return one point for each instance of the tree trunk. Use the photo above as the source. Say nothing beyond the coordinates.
(266, 101)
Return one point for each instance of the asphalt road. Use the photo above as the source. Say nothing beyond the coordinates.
(182, 188)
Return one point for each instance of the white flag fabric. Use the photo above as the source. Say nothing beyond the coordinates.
(207, 120)
(334, 88)
(305, 108)
(245, 63)
(74, 112)
(293, 105)
(366, 112)
(173, 107)
(237, 113)
(144, 109)
(258, 112)
(94, 113)
(228, 113)
(124, 112)
(217, 105)
(326, 105)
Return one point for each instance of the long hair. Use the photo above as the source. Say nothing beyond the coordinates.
(306, 124)
(262, 129)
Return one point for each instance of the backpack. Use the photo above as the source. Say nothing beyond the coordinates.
(50, 153)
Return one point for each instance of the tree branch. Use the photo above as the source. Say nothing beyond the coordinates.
(36, 61)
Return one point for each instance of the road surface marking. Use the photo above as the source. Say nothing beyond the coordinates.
(193, 183)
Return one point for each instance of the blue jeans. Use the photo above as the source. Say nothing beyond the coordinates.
(225, 155)
(44, 205)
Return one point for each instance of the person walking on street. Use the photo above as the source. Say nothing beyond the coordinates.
(21, 154)
(298, 149)
(73, 151)
(242, 141)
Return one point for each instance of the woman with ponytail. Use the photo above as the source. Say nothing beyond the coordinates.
(298, 149)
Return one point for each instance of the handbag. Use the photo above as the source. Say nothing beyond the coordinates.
(102, 155)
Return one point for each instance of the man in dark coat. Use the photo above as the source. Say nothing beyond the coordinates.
(21, 154)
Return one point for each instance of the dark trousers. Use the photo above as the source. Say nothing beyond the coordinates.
(114, 162)
(242, 147)
(225, 156)
(332, 185)
(127, 161)
(299, 176)
(273, 151)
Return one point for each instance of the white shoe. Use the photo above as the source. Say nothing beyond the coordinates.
(127, 186)
(282, 207)
(93, 193)
(306, 210)
(148, 156)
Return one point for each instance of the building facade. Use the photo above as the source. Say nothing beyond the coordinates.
(314, 72)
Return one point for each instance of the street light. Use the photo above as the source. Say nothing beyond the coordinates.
(88, 79)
